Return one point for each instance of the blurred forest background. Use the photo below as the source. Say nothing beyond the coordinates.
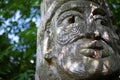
(19, 20)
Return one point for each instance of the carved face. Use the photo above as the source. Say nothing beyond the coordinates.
(85, 41)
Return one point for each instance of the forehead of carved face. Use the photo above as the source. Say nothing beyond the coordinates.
(86, 42)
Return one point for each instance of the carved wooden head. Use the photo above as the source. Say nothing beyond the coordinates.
(80, 38)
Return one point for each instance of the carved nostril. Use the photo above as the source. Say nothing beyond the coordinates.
(92, 35)
(98, 37)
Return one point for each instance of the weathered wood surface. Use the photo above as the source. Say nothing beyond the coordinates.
(77, 40)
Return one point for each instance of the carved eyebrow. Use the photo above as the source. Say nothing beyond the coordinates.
(69, 12)
(77, 6)
(70, 9)
(99, 11)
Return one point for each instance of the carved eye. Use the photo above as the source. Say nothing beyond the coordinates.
(69, 17)
(71, 20)
(102, 22)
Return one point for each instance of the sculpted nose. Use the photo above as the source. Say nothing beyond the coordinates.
(93, 35)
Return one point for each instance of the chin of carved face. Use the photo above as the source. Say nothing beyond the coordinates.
(87, 58)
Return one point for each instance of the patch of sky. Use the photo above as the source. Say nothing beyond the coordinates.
(35, 18)
(16, 16)
(14, 38)
(18, 22)
(1, 30)
(22, 23)
(6, 1)
(114, 6)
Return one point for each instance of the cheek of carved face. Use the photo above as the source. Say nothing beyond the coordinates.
(79, 62)
(69, 34)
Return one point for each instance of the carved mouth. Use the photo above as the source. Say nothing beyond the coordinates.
(96, 49)
(94, 53)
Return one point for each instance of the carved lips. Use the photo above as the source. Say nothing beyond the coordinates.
(96, 49)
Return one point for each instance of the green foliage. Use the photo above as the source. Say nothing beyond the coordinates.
(18, 33)
(115, 6)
